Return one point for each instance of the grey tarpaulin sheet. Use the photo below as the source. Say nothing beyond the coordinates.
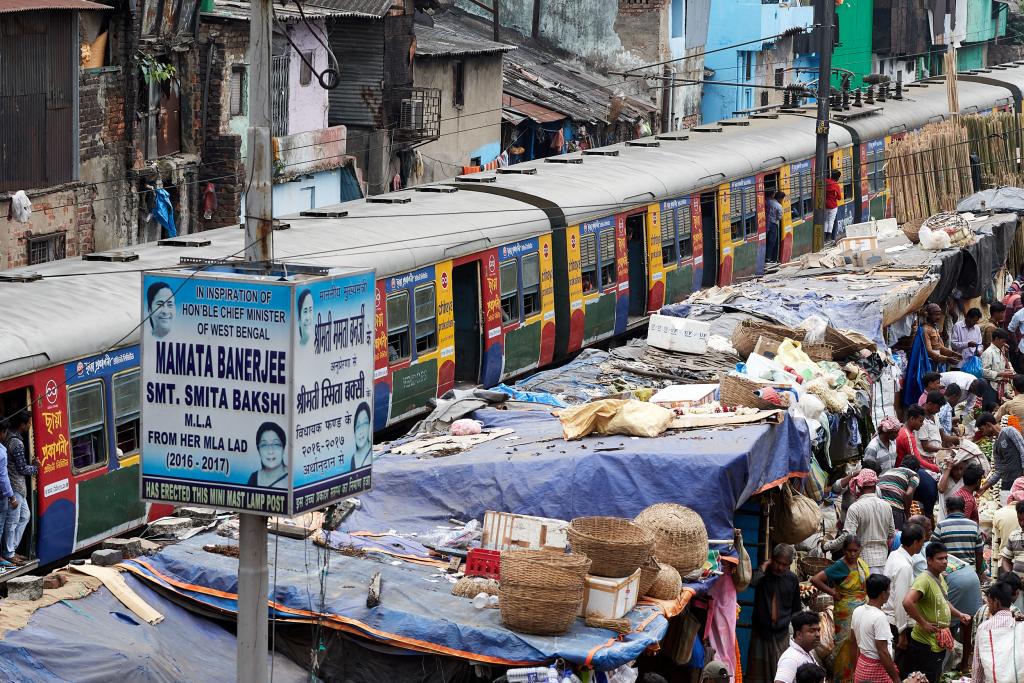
(96, 639)
(996, 199)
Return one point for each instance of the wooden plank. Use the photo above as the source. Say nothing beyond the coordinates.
(116, 584)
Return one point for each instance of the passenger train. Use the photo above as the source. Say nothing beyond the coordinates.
(479, 279)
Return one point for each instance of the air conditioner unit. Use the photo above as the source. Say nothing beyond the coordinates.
(412, 114)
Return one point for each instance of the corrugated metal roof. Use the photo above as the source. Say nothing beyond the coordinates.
(351, 8)
(530, 110)
(31, 5)
(446, 38)
(540, 75)
(241, 10)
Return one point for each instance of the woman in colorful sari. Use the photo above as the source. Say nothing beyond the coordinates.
(846, 581)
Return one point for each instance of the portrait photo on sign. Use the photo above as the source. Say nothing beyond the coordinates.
(363, 428)
(271, 443)
(160, 308)
(305, 317)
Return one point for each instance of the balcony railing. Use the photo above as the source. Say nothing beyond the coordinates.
(416, 113)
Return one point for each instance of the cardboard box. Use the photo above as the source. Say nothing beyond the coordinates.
(685, 395)
(609, 598)
(506, 531)
(870, 258)
(855, 244)
(677, 334)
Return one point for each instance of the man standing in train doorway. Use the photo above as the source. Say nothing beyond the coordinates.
(833, 195)
(771, 254)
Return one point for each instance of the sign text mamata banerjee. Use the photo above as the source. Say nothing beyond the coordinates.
(256, 390)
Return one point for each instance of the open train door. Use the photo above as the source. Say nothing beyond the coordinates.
(468, 329)
(709, 233)
(12, 403)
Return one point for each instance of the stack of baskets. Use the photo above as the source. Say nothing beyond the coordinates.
(738, 390)
(616, 547)
(680, 538)
(846, 343)
(817, 352)
(541, 591)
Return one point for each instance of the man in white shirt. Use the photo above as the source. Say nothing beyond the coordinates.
(899, 568)
(870, 520)
(806, 637)
(871, 635)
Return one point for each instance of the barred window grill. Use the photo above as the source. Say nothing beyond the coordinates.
(279, 70)
(44, 248)
(588, 262)
(668, 237)
(607, 247)
(685, 222)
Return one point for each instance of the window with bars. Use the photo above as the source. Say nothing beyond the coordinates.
(426, 319)
(237, 96)
(606, 242)
(780, 77)
(684, 221)
(86, 425)
(126, 412)
(669, 250)
(398, 327)
(847, 168)
(588, 262)
(531, 284)
(44, 248)
(736, 214)
(508, 276)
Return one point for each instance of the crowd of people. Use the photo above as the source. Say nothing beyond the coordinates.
(919, 585)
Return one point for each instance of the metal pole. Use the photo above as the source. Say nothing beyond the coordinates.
(253, 574)
(497, 21)
(259, 224)
(824, 11)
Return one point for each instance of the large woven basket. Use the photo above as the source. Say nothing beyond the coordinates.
(543, 569)
(912, 229)
(735, 390)
(616, 547)
(845, 343)
(681, 540)
(809, 566)
(746, 334)
(538, 614)
(667, 584)
(648, 573)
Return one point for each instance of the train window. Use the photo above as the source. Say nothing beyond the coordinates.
(736, 214)
(531, 284)
(588, 262)
(669, 253)
(85, 411)
(749, 212)
(795, 203)
(509, 277)
(607, 245)
(426, 319)
(685, 224)
(398, 327)
(847, 178)
(126, 412)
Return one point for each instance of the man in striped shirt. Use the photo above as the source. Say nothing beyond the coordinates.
(961, 536)
(897, 486)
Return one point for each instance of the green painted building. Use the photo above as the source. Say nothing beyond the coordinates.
(853, 52)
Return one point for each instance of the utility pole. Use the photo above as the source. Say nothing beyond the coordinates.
(824, 19)
(251, 653)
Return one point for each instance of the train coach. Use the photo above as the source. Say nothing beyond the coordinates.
(503, 272)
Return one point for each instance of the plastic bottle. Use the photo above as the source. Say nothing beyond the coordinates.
(536, 674)
(480, 600)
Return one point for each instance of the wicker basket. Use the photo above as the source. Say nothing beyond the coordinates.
(820, 603)
(845, 344)
(817, 352)
(616, 547)
(735, 390)
(538, 615)
(681, 540)
(912, 229)
(746, 334)
(809, 566)
(648, 573)
(667, 584)
(543, 569)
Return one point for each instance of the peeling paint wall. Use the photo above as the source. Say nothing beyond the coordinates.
(307, 104)
(474, 129)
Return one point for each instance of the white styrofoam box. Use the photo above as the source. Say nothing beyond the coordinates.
(609, 598)
(677, 334)
(868, 229)
(854, 244)
(507, 531)
(685, 395)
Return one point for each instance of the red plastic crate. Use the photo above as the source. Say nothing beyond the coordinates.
(485, 563)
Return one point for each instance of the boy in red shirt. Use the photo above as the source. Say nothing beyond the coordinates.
(833, 195)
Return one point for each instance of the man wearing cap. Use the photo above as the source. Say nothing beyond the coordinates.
(882, 448)
(714, 672)
(870, 520)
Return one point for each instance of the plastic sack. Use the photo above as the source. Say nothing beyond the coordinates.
(973, 366)
(745, 571)
(1001, 651)
(465, 427)
(815, 326)
(795, 517)
(614, 416)
(828, 636)
(816, 483)
(791, 355)
(933, 240)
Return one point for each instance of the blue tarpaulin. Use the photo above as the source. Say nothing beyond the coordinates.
(416, 611)
(97, 639)
(536, 472)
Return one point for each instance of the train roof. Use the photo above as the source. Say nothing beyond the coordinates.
(80, 307)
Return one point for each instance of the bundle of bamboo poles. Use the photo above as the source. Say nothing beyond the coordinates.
(929, 170)
(996, 139)
(952, 96)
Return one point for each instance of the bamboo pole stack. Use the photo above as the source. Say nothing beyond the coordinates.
(997, 140)
(929, 170)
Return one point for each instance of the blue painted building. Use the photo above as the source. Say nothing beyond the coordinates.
(757, 63)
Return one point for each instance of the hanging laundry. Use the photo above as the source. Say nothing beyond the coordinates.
(503, 159)
(558, 141)
(209, 201)
(164, 212)
(20, 209)
(396, 182)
